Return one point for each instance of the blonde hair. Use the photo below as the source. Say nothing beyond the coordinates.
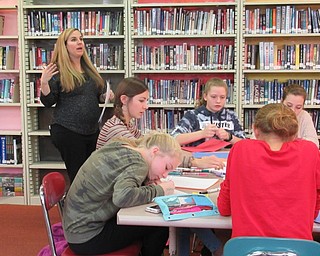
(166, 143)
(213, 82)
(69, 76)
(278, 119)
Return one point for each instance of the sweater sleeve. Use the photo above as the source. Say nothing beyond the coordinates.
(223, 201)
(52, 97)
(306, 128)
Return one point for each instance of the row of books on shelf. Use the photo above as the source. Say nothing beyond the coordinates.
(181, 21)
(7, 57)
(163, 120)
(260, 91)
(249, 115)
(104, 56)
(270, 56)
(282, 19)
(51, 23)
(11, 185)
(11, 149)
(180, 91)
(184, 57)
(9, 91)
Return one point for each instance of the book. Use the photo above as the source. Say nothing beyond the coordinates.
(3, 149)
(1, 24)
(9, 58)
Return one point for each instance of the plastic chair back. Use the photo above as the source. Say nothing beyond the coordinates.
(243, 246)
(52, 192)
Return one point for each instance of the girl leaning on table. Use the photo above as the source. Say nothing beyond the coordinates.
(121, 174)
(272, 185)
(130, 102)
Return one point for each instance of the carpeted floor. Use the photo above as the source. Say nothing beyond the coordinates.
(22, 229)
(23, 233)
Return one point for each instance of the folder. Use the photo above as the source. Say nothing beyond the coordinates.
(208, 146)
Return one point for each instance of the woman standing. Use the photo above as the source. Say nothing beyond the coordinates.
(73, 84)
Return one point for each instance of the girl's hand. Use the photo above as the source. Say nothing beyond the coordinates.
(209, 131)
(208, 162)
(168, 187)
(48, 73)
(222, 134)
(111, 95)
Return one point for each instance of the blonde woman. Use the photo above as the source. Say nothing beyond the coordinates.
(72, 83)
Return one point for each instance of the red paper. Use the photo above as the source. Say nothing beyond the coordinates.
(208, 146)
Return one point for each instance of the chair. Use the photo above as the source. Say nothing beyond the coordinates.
(52, 192)
(243, 246)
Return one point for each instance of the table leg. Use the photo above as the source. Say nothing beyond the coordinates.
(172, 241)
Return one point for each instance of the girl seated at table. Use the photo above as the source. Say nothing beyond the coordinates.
(272, 185)
(120, 174)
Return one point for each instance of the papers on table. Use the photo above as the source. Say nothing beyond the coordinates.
(192, 183)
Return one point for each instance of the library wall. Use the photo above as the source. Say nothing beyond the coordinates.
(258, 47)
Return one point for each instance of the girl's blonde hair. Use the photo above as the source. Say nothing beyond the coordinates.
(278, 119)
(69, 76)
(213, 82)
(166, 143)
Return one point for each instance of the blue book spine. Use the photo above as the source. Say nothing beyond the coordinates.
(3, 149)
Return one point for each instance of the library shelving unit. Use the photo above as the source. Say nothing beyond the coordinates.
(103, 23)
(12, 171)
(280, 46)
(175, 47)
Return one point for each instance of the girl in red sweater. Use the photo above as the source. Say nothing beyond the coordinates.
(272, 185)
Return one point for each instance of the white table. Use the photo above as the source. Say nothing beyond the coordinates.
(138, 216)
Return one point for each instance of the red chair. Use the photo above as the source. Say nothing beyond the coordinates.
(52, 192)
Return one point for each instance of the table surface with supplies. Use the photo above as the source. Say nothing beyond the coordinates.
(139, 216)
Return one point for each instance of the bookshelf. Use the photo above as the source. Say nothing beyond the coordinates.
(174, 58)
(175, 47)
(104, 25)
(283, 38)
(12, 172)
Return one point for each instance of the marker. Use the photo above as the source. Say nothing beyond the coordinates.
(188, 174)
(210, 191)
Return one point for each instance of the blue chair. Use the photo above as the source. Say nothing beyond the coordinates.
(244, 246)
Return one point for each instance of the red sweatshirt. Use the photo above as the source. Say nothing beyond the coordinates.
(272, 193)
